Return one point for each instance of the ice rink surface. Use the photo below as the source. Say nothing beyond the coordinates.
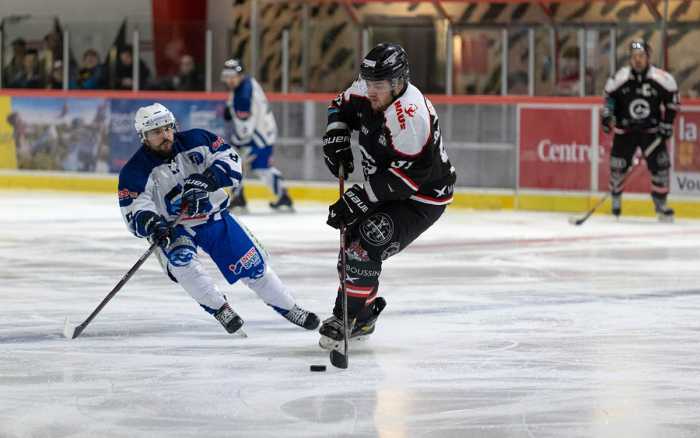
(498, 324)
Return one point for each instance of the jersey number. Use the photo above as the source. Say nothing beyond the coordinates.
(401, 164)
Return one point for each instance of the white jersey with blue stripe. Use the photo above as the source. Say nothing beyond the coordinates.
(253, 121)
(150, 183)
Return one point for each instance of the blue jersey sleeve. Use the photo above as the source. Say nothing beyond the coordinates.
(243, 99)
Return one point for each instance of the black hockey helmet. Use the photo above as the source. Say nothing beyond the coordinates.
(640, 44)
(386, 61)
(232, 67)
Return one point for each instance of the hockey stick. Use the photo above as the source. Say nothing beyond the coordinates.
(71, 332)
(338, 359)
(625, 177)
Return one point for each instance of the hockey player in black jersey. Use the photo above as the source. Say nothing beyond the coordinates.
(408, 179)
(641, 102)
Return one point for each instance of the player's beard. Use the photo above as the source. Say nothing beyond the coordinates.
(163, 153)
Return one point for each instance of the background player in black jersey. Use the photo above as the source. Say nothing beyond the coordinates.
(408, 179)
(641, 102)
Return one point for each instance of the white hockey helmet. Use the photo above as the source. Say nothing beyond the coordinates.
(152, 117)
(232, 67)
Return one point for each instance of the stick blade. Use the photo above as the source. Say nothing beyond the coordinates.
(576, 221)
(338, 359)
(68, 329)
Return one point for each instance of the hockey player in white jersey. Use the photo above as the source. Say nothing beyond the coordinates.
(408, 180)
(183, 175)
(253, 132)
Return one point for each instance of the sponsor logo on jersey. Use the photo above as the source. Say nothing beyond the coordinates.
(639, 109)
(125, 194)
(377, 229)
(217, 144)
(361, 272)
(400, 114)
(249, 260)
(392, 249)
(444, 191)
(196, 157)
(411, 110)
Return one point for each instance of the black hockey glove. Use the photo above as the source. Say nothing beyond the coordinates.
(607, 121)
(666, 130)
(153, 226)
(351, 207)
(195, 193)
(337, 152)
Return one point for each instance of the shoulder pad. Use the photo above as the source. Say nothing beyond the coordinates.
(663, 78)
(193, 138)
(134, 176)
(408, 121)
(615, 82)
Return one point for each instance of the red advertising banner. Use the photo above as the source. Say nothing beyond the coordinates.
(555, 147)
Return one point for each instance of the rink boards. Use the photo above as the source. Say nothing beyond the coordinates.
(526, 200)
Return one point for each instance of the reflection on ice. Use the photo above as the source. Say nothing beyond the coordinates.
(498, 324)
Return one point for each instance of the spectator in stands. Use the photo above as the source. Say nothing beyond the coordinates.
(124, 71)
(91, 75)
(189, 78)
(12, 72)
(569, 83)
(55, 79)
(51, 51)
(31, 76)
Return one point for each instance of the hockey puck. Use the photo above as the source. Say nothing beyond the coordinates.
(317, 368)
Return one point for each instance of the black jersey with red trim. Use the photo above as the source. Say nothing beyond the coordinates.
(403, 155)
(640, 101)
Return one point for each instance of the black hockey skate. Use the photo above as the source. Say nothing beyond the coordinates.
(663, 212)
(616, 206)
(238, 202)
(228, 318)
(298, 316)
(283, 203)
(332, 329)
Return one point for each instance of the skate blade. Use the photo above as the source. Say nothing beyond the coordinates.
(329, 344)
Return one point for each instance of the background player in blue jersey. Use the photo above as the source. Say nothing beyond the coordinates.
(253, 132)
(183, 174)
